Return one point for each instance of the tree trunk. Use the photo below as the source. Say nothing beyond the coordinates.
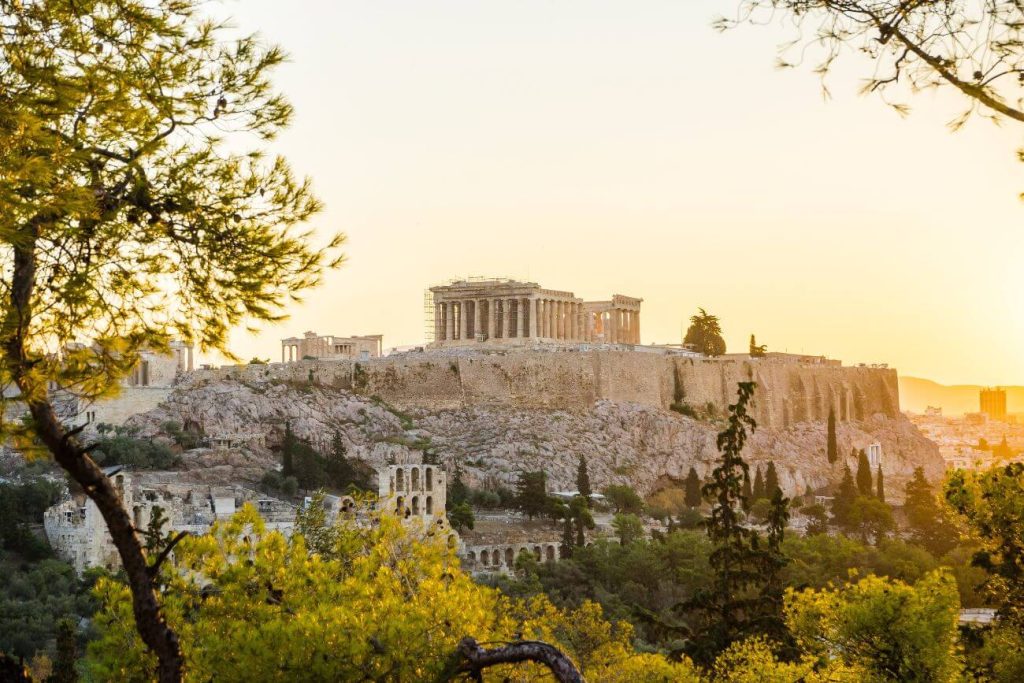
(71, 456)
(476, 659)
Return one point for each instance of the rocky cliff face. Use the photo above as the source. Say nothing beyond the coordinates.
(501, 414)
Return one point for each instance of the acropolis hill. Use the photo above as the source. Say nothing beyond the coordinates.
(497, 413)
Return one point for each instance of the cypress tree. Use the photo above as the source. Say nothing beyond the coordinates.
(833, 446)
(583, 480)
(288, 451)
(759, 485)
(748, 493)
(880, 485)
(740, 602)
(843, 500)
(771, 481)
(863, 474)
(693, 497)
(567, 542)
(67, 653)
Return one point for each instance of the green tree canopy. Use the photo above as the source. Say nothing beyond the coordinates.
(137, 205)
(928, 519)
(757, 351)
(972, 48)
(628, 528)
(532, 493)
(742, 599)
(758, 491)
(771, 481)
(693, 496)
(705, 333)
(864, 483)
(624, 498)
(831, 445)
(583, 479)
(991, 503)
(879, 484)
(890, 630)
(843, 499)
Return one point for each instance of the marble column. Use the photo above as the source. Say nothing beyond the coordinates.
(636, 327)
(480, 320)
(613, 326)
(506, 318)
(449, 321)
(534, 317)
(492, 320)
(523, 314)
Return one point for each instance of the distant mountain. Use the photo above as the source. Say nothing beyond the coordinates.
(916, 394)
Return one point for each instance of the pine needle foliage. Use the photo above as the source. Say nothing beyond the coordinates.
(744, 598)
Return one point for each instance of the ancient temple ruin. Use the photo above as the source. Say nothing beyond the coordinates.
(78, 533)
(331, 347)
(499, 311)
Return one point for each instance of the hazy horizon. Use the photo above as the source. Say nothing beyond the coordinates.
(610, 148)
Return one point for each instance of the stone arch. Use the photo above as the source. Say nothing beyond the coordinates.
(415, 505)
(510, 557)
(551, 553)
(399, 504)
(429, 505)
(430, 478)
(415, 478)
(471, 556)
(536, 552)
(400, 479)
(496, 557)
(391, 485)
(484, 557)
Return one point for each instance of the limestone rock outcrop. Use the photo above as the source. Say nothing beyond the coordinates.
(499, 414)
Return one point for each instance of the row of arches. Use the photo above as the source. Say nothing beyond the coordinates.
(414, 508)
(414, 481)
(496, 558)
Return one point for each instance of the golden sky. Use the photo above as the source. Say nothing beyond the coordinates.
(624, 147)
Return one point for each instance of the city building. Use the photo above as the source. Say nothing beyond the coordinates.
(499, 311)
(330, 347)
(993, 403)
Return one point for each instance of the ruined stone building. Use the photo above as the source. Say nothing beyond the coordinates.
(500, 311)
(78, 534)
(330, 347)
(415, 493)
(161, 370)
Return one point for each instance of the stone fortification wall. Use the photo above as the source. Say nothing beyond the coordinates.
(788, 393)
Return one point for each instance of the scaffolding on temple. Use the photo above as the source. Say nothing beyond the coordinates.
(429, 331)
(429, 328)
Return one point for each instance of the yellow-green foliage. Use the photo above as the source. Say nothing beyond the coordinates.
(752, 661)
(251, 605)
(891, 630)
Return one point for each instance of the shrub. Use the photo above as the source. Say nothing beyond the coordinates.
(142, 454)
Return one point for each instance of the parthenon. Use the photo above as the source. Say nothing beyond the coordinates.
(513, 312)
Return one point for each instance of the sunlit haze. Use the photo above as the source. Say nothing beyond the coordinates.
(613, 147)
